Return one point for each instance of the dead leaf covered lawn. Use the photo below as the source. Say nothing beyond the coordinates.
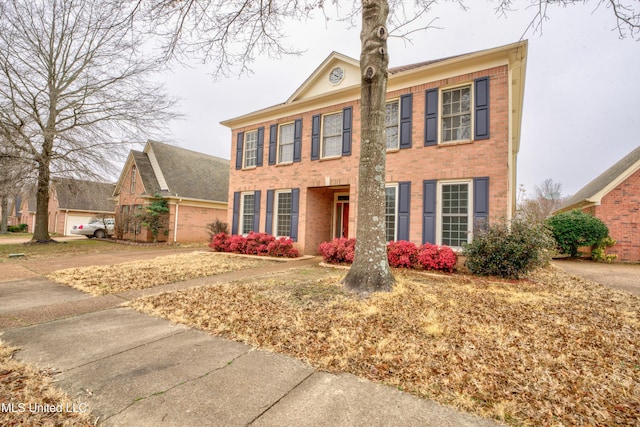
(24, 392)
(110, 279)
(552, 350)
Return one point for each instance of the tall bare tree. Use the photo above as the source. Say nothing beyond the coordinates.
(74, 88)
(547, 197)
(230, 34)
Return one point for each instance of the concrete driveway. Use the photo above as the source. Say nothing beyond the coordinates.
(623, 277)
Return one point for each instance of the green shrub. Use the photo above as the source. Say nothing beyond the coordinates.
(508, 249)
(599, 252)
(20, 228)
(575, 229)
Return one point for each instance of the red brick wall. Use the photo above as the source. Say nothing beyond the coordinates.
(192, 222)
(620, 211)
(452, 161)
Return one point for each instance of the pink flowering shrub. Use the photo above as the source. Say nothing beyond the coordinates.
(434, 257)
(402, 254)
(338, 251)
(261, 244)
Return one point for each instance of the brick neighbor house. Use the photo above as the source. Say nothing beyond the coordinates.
(453, 134)
(194, 184)
(614, 197)
(71, 202)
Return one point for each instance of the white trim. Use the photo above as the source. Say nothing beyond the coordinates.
(278, 140)
(441, 90)
(156, 168)
(241, 213)
(276, 196)
(334, 211)
(341, 114)
(244, 149)
(439, 204)
(395, 214)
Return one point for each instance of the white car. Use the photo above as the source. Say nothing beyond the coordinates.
(100, 228)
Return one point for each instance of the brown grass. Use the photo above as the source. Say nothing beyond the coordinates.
(552, 350)
(22, 384)
(110, 279)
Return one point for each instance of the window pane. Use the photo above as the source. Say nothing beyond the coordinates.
(332, 135)
(286, 143)
(250, 149)
(455, 214)
(390, 213)
(247, 213)
(283, 215)
(456, 114)
(391, 119)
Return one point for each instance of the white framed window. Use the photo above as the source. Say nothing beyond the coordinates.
(391, 124)
(250, 149)
(391, 212)
(247, 212)
(285, 143)
(456, 114)
(331, 135)
(455, 212)
(282, 215)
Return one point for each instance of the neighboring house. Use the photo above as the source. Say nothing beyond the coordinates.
(614, 197)
(71, 202)
(452, 134)
(195, 186)
(74, 201)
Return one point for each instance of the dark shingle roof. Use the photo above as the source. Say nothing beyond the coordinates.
(145, 170)
(604, 179)
(191, 174)
(84, 195)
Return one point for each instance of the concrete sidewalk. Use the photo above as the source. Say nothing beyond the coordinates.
(133, 369)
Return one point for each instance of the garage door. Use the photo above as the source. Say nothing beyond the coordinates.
(75, 220)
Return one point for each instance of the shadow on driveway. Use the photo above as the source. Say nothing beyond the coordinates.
(623, 277)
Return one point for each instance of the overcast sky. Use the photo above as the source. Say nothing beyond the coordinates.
(582, 89)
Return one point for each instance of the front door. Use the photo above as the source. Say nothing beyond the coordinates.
(341, 215)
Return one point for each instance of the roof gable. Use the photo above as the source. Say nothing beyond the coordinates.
(189, 174)
(82, 195)
(318, 82)
(593, 192)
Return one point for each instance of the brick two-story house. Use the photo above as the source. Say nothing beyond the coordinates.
(453, 134)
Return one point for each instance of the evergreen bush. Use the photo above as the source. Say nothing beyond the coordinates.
(575, 229)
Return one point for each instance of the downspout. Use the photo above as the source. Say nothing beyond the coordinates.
(175, 223)
(66, 222)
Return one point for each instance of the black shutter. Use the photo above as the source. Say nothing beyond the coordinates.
(346, 131)
(404, 208)
(260, 149)
(429, 195)
(273, 138)
(236, 213)
(315, 137)
(239, 140)
(297, 140)
(481, 108)
(431, 117)
(406, 107)
(480, 202)
(268, 223)
(295, 202)
(256, 211)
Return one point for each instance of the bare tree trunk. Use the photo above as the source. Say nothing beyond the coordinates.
(41, 230)
(370, 270)
(4, 206)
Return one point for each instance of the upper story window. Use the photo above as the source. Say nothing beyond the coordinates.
(250, 149)
(391, 121)
(132, 184)
(456, 114)
(285, 143)
(332, 135)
